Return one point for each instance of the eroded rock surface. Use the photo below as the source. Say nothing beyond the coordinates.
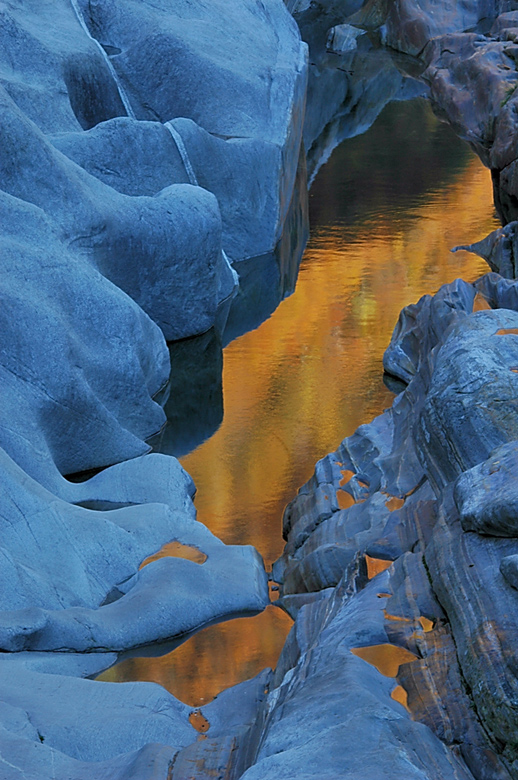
(147, 148)
(432, 486)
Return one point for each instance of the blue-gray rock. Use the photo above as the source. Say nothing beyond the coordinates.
(487, 495)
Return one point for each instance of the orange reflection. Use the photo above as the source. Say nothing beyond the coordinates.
(312, 373)
(346, 476)
(393, 502)
(375, 566)
(396, 617)
(344, 499)
(177, 550)
(309, 376)
(386, 658)
(507, 332)
(426, 624)
(198, 721)
(480, 303)
(213, 659)
(400, 695)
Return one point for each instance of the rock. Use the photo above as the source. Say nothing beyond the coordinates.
(56, 574)
(471, 405)
(117, 225)
(509, 570)
(449, 595)
(498, 250)
(77, 383)
(342, 721)
(487, 495)
(343, 38)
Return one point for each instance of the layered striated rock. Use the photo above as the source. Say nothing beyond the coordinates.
(431, 493)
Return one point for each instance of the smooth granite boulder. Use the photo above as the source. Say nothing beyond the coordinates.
(63, 590)
(143, 158)
(77, 380)
(163, 251)
(55, 724)
(243, 80)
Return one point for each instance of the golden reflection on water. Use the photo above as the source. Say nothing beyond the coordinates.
(376, 566)
(310, 375)
(213, 659)
(177, 550)
(386, 658)
(400, 695)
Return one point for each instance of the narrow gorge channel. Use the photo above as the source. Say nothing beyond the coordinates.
(385, 210)
(258, 421)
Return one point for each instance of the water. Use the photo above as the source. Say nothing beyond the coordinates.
(385, 211)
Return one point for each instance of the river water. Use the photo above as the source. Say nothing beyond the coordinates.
(384, 212)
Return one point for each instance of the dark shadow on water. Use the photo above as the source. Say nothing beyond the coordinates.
(194, 405)
(265, 281)
(193, 397)
(405, 155)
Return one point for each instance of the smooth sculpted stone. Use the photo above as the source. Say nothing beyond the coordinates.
(70, 578)
(80, 361)
(163, 251)
(487, 495)
(62, 727)
(237, 69)
(247, 175)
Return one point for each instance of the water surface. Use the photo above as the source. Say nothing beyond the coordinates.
(385, 211)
